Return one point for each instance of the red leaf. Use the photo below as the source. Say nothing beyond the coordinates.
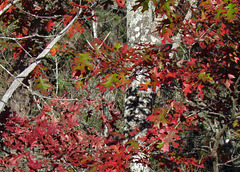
(33, 164)
(3, 5)
(67, 18)
(124, 48)
(120, 3)
(203, 45)
(72, 120)
(189, 40)
(227, 83)
(24, 30)
(55, 49)
(15, 160)
(134, 132)
(166, 48)
(200, 94)
(79, 28)
(167, 37)
(71, 31)
(50, 24)
(192, 61)
(187, 88)
(230, 76)
(169, 138)
(171, 74)
(53, 126)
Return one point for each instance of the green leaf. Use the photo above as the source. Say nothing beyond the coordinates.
(122, 81)
(155, 2)
(166, 6)
(83, 62)
(204, 77)
(43, 85)
(117, 46)
(160, 145)
(110, 79)
(79, 84)
(146, 57)
(219, 12)
(133, 144)
(231, 10)
(143, 3)
(235, 123)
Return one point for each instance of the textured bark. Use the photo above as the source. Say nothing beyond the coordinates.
(140, 26)
(138, 103)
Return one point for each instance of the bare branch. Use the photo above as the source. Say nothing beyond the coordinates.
(230, 161)
(26, 37)
(24, 49)
(36, 16)
(234, 101)
(56, 74)
(8, 6)
(111, 31)
(215, 147)
(15, 84)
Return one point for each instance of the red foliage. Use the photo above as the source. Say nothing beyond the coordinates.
(62, 141)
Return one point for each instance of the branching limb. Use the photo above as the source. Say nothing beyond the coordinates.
(214, 152)
(16, 83)
(26, 37)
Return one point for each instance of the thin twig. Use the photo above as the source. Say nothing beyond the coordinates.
(26, 37)
(35, 92)
(56, 73)
(16, 83)
(36, 16)
(24, 49)
(111, 32)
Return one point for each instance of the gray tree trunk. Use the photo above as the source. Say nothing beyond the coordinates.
(140, 26)
(138, 103)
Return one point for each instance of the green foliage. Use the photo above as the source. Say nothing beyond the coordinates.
(231, 10)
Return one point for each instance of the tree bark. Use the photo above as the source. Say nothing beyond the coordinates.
(139, 103)
(214, 151)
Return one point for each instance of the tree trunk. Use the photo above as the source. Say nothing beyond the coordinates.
(138, 103)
